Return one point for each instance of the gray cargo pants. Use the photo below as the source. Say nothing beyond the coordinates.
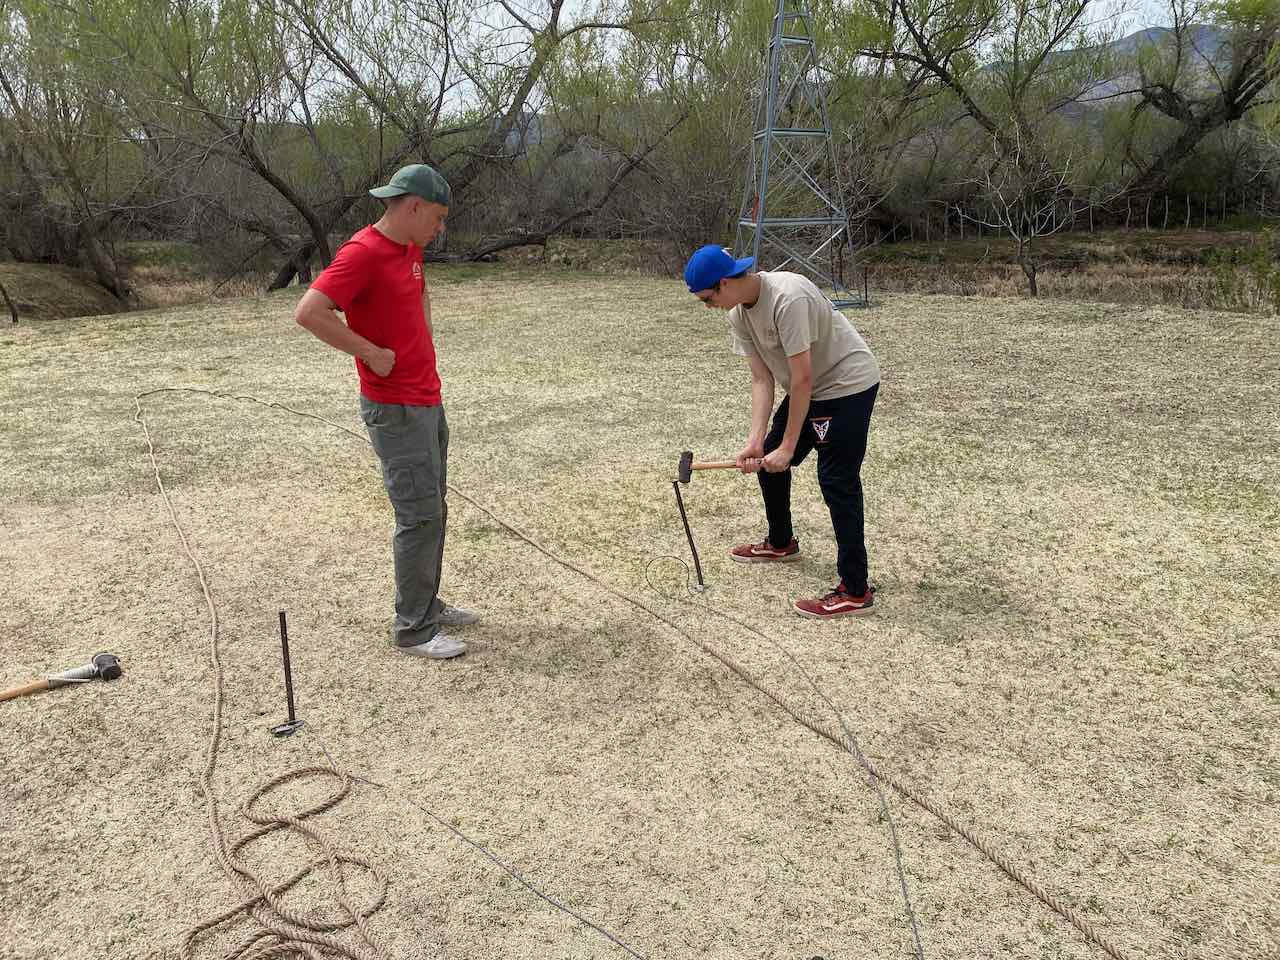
(413, 445)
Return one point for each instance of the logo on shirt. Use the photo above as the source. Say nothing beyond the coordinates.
(820, 426)
(417, 271)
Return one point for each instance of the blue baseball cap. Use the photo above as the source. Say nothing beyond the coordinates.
(711, 264)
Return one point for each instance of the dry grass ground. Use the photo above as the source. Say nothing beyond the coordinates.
(1072, 522)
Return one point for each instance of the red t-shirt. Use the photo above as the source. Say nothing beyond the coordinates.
(378, 284)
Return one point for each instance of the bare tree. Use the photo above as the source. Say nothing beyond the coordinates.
(1014, 72)
(1023, 197)
(539, 233)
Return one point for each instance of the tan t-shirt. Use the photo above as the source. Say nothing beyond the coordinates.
(793, 316)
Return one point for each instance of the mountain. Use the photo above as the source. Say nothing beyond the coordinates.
(1207, 49)
(1204, 39)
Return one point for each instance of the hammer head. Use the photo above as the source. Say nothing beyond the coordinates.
(686, 467)
(107, 665)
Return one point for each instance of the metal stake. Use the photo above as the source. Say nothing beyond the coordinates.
(675, 485)
(292, 724)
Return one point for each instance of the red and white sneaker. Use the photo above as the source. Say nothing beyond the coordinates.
(765, 552)
(837, 603)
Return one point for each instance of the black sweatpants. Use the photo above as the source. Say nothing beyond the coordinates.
(838, 429)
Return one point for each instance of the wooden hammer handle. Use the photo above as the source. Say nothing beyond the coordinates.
(716, 465)
(35, 686)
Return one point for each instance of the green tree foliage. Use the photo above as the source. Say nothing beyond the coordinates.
(64, 186)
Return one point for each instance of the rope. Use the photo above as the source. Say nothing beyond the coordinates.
(827, 733)
(297, 935)
(850, 743)
(906, 790)
(510, 871)
(915, 796)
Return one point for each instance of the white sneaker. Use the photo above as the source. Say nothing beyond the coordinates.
(457, 617)
(440, 647)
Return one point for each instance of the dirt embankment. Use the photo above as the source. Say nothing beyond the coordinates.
(43, 291)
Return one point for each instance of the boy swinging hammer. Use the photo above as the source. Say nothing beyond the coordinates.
(792, 336)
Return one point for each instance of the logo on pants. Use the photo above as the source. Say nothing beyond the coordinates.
(820, 426)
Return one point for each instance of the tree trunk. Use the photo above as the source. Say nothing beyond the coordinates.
(298, 265)
(1028, 264)
(13, 311)
(101, 262)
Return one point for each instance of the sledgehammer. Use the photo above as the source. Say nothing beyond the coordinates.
(103, 665)
(684, 473)
(687, 466)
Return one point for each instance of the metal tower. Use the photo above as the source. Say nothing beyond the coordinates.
(792, 214)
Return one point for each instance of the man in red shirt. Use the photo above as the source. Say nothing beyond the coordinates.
(376, 280)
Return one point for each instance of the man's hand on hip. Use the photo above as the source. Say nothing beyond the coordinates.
(380, 361)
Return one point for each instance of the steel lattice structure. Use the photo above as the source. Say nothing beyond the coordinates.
(792, 214)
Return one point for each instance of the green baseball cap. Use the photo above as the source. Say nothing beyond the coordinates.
(420, 180)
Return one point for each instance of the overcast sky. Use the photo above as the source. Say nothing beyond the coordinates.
(1147, 13)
